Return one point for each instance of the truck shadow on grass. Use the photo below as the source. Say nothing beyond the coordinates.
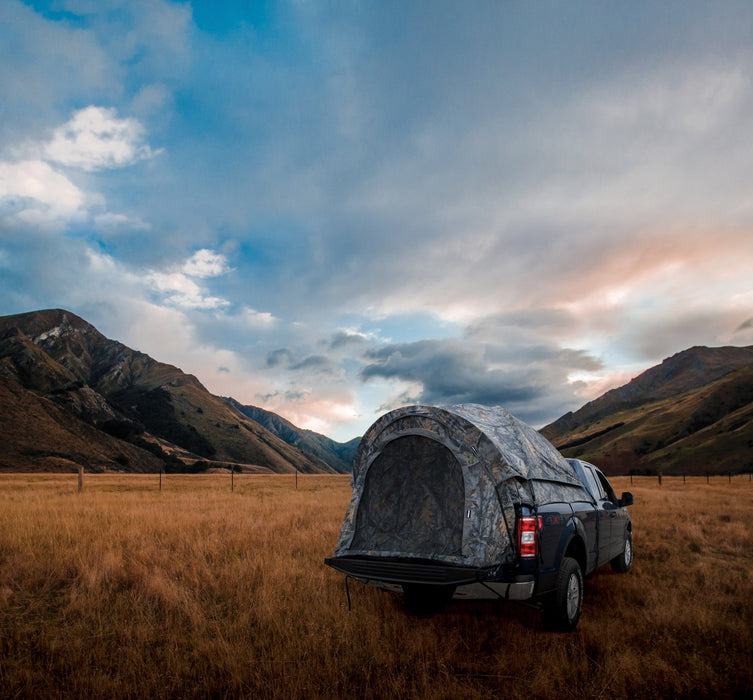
(498, 612)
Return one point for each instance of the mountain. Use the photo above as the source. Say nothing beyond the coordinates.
(338, 455)
(693, 414)
(70, 396)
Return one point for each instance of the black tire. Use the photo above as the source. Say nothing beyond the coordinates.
(562, 610)
(623, 561)
(425, 599)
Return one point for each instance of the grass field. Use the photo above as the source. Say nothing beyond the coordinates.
(125, 590)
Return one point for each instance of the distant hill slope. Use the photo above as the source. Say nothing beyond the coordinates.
(339, 455)
(693, 413)
(71, 396)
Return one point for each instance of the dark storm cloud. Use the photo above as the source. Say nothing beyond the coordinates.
(455, 371)
(285, 358)
(281, 356)
(312, 362)
(343, 338)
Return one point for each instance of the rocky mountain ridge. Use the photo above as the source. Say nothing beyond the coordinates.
(693, 413)
(72, 396)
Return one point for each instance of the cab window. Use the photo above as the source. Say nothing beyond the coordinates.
(593, 484)
(606, 486)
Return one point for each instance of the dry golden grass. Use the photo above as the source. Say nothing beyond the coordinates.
(193, 591)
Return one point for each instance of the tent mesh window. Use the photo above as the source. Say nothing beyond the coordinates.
(413, 500)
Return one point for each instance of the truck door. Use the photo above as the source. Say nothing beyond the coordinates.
(617, 515)
(606, 514)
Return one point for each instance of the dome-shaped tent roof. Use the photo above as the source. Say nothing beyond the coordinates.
(525, 452)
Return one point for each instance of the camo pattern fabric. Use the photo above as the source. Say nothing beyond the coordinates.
(441, 483)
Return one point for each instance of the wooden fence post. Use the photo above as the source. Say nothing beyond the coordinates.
(80, 479)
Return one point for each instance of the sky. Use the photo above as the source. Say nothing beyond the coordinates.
(333, 209)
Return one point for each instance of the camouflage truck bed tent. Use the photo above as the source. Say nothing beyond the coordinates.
(440, 483)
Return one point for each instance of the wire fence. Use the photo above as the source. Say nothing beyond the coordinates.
(710, 478)
(84, 481)
(233, 480)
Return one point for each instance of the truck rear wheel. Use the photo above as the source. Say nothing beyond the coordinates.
(622, 562)
(562, 611)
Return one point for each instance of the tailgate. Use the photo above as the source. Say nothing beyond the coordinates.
(392, 570)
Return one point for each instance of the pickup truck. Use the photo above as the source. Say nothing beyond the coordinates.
(467, 501)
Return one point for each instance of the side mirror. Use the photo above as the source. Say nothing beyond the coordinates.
(626, 499)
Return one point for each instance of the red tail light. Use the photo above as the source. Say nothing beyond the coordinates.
(528, 543)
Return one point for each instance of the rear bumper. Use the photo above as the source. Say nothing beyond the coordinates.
(507, 590)
(469, 582)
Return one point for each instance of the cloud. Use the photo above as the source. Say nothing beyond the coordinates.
(345, 338)
(742, 335)
(177, 286)
(506, 210)
(205, 263)
(112, 220)
(315, 363)
(323, 413)
(45, 65)
(314, 410)
(179, 290)
(96, 139)
(687, 100)
(515, 326)
(457, 371)
(310, 364)
(281, 356)
(257, 319)
(33, 192)
(36, 191)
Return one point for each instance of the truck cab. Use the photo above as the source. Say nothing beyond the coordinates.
(614, 524)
